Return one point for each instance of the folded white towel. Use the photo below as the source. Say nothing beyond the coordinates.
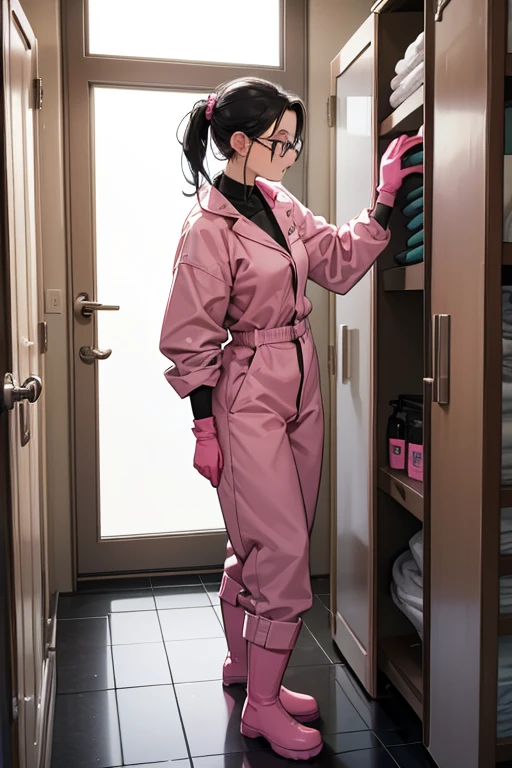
(414, 615)
(407, 87)
(408, 67)
(416, 547)
(414, 48)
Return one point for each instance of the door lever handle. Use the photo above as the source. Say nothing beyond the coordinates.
(441, 5)
(85, 308)
(441, 361)
(89, 355)
(12, 393)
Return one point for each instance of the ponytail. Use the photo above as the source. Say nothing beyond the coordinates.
(195, 144)
(250, 105)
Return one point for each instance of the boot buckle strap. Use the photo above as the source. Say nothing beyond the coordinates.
(276, 635)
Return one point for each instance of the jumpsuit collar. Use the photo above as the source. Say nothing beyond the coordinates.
(213, 201)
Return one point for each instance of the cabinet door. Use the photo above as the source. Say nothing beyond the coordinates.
(353, 79)
(459, 285)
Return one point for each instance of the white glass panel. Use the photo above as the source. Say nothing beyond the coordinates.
(224, 31)
(147, 480)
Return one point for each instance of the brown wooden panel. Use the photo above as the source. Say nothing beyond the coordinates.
(400, 658)
(507, 253)
(465, 461)
(404, 278)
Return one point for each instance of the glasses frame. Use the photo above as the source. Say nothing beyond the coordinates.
(287, 145)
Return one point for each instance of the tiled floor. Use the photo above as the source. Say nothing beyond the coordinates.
(139, 669)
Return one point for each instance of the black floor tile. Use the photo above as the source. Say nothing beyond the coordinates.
(84, 669)
(138, 627)
(211, 578)
(86, 731)
(352, 741)
(109, 585)
(82, 633)
(337, 715)
(194, 661)
(181, 597)
(151, 730)
(390, 718)
(307, 651)
(175, 581)
(211, 717)
(325, 600)
(412, 756)
(368, 758)
(143, 664)
(321, 585)
(317, 620)
(94, 605)
(189, 624)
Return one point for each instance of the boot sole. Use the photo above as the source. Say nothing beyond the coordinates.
(292, 754)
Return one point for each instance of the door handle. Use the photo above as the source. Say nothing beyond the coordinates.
(345, 354)
(440, 6)
(441, 361)
(86, 308)
(89, 355)
(12, 393)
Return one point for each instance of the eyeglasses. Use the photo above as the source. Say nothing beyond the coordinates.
(286, 146)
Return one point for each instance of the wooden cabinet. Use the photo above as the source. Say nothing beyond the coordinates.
(435, 329)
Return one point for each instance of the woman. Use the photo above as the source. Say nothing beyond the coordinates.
(246, 251)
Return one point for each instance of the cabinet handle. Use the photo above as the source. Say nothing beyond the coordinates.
(345, 354)
(441, 361)
(441, 5)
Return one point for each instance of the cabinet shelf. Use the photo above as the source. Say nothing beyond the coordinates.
(401, 659)
(407, 117)
(407, 492)
(503, 750)
(507, 254)
(506, 497)
(404, 278)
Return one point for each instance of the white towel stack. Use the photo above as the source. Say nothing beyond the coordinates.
(506, 439)
(410, 72)
(506, 531)
(407, 583)
(504, 730)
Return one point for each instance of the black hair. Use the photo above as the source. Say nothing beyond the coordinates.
(248, 104)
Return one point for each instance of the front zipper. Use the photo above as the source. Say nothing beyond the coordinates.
(297, 343)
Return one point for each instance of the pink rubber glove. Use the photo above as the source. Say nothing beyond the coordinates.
(208, 459)
(391, 172)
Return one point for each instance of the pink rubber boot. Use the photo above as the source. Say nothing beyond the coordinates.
(300, 706)
(263, 714)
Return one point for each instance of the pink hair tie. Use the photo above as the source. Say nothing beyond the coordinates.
(212, 100)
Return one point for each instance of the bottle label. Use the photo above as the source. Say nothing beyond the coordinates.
(397, 454)
(415, 464)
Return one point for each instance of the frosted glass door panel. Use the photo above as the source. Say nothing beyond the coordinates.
(148, 484)
(224, 31)
(353, 193)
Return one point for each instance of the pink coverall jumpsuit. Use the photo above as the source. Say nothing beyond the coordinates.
(228, 273)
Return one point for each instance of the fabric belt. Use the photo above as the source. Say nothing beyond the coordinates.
(270, 335)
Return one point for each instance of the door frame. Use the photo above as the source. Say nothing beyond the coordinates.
(134, 554)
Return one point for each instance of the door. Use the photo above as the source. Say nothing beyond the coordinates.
(140, 504)
(21, 384)
(353, 87)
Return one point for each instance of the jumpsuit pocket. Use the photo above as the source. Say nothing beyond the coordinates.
(243, 381)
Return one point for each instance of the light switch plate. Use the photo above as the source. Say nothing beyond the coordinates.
(53, 301)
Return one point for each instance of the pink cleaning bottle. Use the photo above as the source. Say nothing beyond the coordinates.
(415, 450)
(396, 434)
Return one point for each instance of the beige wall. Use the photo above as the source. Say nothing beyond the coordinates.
(331, 23)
